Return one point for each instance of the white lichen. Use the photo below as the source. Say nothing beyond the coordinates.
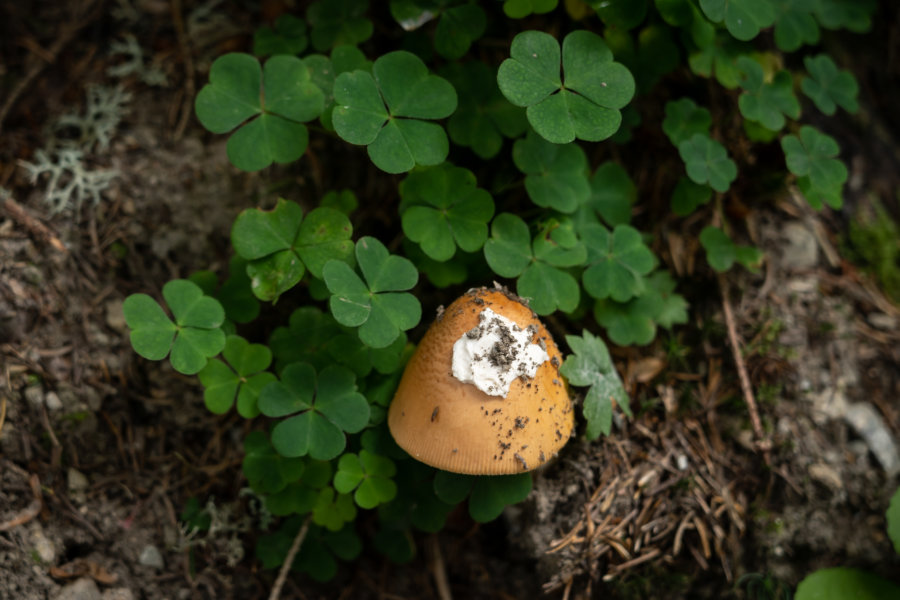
(134, 63)
(69, 182)
(104, 108)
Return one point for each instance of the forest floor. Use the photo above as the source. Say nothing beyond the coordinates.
(100, 451)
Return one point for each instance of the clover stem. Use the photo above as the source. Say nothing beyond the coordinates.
(289, 560)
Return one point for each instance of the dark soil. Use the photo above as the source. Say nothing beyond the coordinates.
(100, 451)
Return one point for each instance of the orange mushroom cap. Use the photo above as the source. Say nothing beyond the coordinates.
(454, 426)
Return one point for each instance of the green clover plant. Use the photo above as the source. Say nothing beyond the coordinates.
(240, 379)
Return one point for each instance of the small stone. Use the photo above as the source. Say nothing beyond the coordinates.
(880, 320)
(34, 395)
(681, 461)
(52, 401)
(80, 589)
(115, 315)
(827, 475)
(801, 250)
(118, 594)
(871, 428)
(77, 484)
(42, 545)
(151, 557)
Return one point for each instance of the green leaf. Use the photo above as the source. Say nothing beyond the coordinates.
(743, 18)
(612, 193)
(258, 233)
(684, 119)
(855, 15)
(672, 308)
(332, 510)
(795, 24)
(707, 162)
(242, 377)
(376, 306)
(766, 103)
(152, 331)
(287, 37)
(266, 471)
(369, 475)
(689, 196)
(490, 495)
(722, 252)
(281, 96)
(484, 117)
(508, 251)
(342, 200)
(582, 104)
(458, 28)
(893, 520)
(555, 176)
(443, 209)
(828, 87)
(336, 22)
(630, 322)
(548, 288)
(811, 156)
(618, 262)
(717, 55)
(621, 14)
(591, 366)
(519, 9)
(384, 111)
(323, 408)
(844, 582)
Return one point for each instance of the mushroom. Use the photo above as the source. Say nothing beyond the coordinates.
(482, 394)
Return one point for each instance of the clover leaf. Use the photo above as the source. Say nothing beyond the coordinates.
(717, 55)
(630, 322)
(519, 9)
(795, 24)
(388, 111)
(320, 408)
(855, 15)
(584, 103)
(539, 265)
(444, 209)
(555, 175)
(893, 520)
(287, 37)
(766, 102)
(190, 340)
(280, 244)
(688, 196)
(379, 306)
(484, 116)
(706, 161)
(591, 366)
(621, 14)
(416, 503)
(333, 510)
(300, 495)
(722, 252)
(618, 262)
(612, 193)
(811, 156)
(317, 554)
(458, 28)
(268, 104)
(342, 200)
(266, 470)
(369, 475)
(743, 18)
(488, 495)
(845, 582)
(242, 377)
(828, 87)
(684, 118)
(336, 22)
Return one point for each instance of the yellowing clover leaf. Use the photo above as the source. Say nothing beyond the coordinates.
(571, 93)
(390, 112)
(269, 105)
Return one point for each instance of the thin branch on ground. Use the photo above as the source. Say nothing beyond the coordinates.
(289, 560)
(763, 443)
(438, 569)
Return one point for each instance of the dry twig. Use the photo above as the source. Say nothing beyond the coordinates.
(289, 560)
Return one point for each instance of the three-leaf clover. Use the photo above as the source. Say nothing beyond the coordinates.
(458, 28)
(266, 470)
(317, 554)
(320, 408)
(811, 156)
(555, 175)
(621, 14)
(743, 18)
(618, 262)
(612, 193)
(688, 196)
(845, 582)
(539, 265)
(379, 306)
(683, 119)
(389, 111)
(795, 24)
(766, 102)
(722, 252)
(893, 520)
(519, 9)
(855, 15)
(190, 340)
(591, 366)
(484, 116)
(706, 161)
(281, 245)
(270, 104)
(287, 37)
(488, 496)
(828, 87)
(581, 103)
(717, 55)
(444, 209)
(369, 475)
(301, 494)
(336, 22)
(242, 377)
